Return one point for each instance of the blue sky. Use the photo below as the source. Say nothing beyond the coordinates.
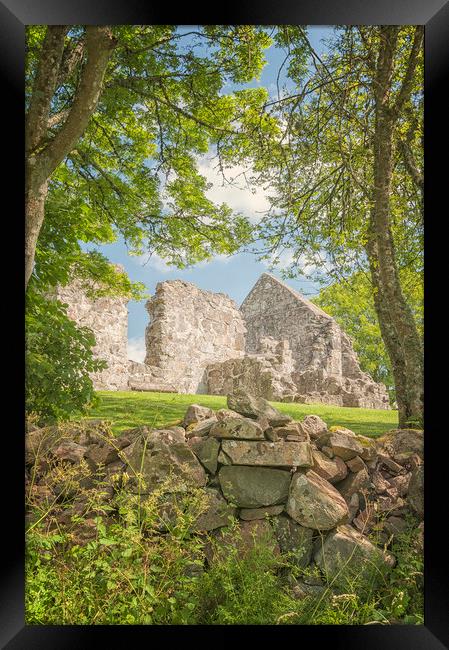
(233, 275)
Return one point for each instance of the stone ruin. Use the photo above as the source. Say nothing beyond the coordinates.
(317, 493)
(107, 317)
(278, 345)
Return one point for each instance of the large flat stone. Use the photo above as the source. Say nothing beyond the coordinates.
(254, 487)
(237, 428)
(314, 503)
(255, 407)
(271, 454)
(343, 445)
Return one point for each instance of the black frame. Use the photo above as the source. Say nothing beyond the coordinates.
(434, 14)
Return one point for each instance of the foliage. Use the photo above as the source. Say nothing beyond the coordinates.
(133, 173)
(58, 360)
(147, 569)
(351, 303)
(130, 409)
(319, 171)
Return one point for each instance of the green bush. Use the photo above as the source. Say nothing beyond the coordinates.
(145, 566)
(58, 360)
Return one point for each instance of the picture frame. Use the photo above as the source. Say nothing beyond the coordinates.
(434, 14)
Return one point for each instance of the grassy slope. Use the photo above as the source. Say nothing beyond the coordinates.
(131, 409)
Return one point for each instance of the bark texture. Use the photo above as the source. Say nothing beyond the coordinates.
(396, 320)
(43, 153)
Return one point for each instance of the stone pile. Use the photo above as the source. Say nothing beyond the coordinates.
(310, 490)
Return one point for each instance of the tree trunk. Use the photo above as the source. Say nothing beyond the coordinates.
(35, 195)
(42, 159)
(396, 320)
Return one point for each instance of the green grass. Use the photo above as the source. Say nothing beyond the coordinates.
(130, 409)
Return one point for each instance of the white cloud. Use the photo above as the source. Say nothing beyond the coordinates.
(284, 259)
(237, 196)
(136, 349)
(157, 263)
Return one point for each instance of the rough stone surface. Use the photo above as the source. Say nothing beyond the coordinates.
(355, 482)
(331, 469)
(206, 450)
(280, 454)
(327, 369)
(196, 413)
(201, 428)
(313, 425)
(356, 464)
(416, 491)
(346, 554)
(342, 444)
(265, 374)
(314, 503)
(291, 431)
(254, 487)
(401, 442)
(293, 539)
(249, 514)
(218, 512)
(189, 329)
(256, 407)
(158, 456)
(107, 317)
(237, 428)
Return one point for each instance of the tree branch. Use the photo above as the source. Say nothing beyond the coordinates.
(407, 82)
(99, 43)
(44, 86)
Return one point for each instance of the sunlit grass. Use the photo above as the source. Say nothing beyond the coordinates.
(130, 409)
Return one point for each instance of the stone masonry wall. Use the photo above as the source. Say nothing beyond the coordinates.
(190, 328)
(274, 309)
(107, 317)
(327, 369)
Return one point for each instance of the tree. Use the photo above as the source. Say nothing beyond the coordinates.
(346, 176)
(116, 117)
(351, 303)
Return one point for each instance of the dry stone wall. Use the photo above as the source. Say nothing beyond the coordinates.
(315, 491)
(190, 328)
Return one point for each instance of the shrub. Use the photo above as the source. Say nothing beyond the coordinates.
(58, 360)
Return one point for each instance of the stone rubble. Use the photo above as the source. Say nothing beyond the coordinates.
(321, 508)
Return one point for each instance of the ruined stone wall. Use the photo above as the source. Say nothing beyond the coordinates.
(326, 367)
(266, 374)
(190, 328)
(274, 309)
(107, 317)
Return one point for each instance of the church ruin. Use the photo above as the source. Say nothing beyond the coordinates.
(277, 345)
